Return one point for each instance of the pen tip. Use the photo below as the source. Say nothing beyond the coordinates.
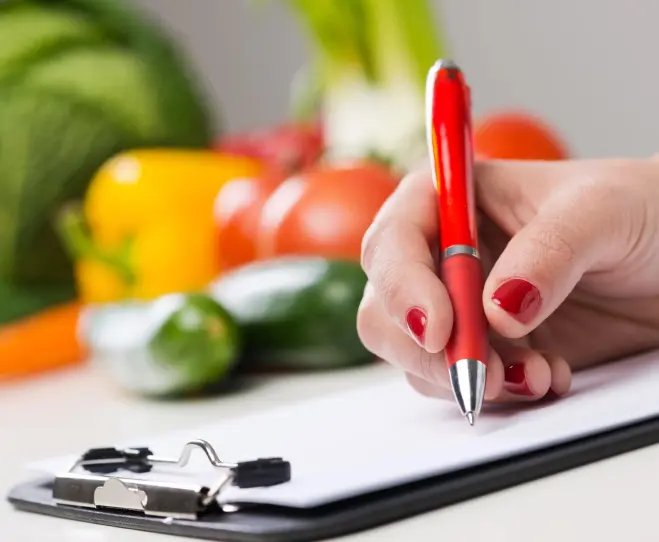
(470, 418)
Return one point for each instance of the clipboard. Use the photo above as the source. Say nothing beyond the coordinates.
(397, 455)
(264, 523)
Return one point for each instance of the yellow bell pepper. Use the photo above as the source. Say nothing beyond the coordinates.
(146, 226)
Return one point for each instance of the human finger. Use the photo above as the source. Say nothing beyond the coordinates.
(545, 260)
(381, 336)
(528, 376)
(561, 375)
(398, 260)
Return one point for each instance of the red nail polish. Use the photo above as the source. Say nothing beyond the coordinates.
(515, 380)
(519, 298)
(416, 323)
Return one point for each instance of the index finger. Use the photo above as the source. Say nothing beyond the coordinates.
(397, 258)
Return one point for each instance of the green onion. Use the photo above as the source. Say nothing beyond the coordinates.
(370, 60)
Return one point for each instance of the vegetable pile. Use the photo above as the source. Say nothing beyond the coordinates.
(207, 263)
(80, 81)
(176, 259)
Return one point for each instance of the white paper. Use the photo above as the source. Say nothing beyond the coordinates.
(381, 436)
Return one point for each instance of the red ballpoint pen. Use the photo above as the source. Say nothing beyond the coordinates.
(448, 119)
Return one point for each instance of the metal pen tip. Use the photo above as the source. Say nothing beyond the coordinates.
(470, 418)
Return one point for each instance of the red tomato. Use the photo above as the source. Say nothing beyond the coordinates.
(516, 135)
(324, 212)
(237, 209)
(289, 147)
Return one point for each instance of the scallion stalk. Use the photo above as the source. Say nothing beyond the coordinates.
(371, 58)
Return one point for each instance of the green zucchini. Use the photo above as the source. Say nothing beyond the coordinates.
(174, 346)
(296, 312)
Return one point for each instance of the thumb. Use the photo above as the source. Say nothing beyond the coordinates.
(541, 265)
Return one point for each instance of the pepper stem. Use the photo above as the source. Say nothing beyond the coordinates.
(74, 233)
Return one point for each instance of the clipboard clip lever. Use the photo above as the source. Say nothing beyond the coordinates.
(101, 488)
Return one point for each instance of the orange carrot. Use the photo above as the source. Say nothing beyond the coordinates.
(41, 342)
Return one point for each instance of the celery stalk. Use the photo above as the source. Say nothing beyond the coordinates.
(372, 57)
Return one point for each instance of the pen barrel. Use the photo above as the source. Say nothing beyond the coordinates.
(463, 277)
(451, 148)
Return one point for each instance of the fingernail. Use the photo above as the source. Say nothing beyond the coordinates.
(519, 298)
(416, 324)
(515, 380)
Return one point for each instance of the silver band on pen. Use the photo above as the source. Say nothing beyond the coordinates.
(454, 250)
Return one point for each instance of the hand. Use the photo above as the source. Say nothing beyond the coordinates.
(571, 254)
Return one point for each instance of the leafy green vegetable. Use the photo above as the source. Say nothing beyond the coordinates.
(80, 81)
(22, 301)
(44, 163)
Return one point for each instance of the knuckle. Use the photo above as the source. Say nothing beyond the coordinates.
(414, 178)
(595, 209)
(367, 329)
(383, 270)
(380, 235)
(605, 187)
(385, 223)
(558, 241)
(389, 284)
(369, 246)
(601, 193)
(622, 203)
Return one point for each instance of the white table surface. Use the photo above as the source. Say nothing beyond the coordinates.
(613, 500)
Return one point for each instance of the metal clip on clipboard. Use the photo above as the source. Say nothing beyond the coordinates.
(176, 500)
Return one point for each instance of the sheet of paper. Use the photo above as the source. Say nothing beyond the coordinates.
(384, 435)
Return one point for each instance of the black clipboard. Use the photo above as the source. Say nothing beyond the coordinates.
(260, 523)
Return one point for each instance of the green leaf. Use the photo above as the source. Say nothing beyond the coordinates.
(306, 95)
(28, 33)
(181, 100)
(337, 28)
(80, 81)
(76, 74)
(403, 38)
(373, 57)
(382, 38)
(16, 303)
(50, 147)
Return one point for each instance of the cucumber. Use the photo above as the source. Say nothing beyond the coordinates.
(198, 343)
(296, 313)
(174, 346)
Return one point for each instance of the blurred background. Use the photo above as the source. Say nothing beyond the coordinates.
(184, 185)
(586, 66)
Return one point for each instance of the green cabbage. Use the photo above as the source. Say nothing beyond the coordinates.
(80, 80)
